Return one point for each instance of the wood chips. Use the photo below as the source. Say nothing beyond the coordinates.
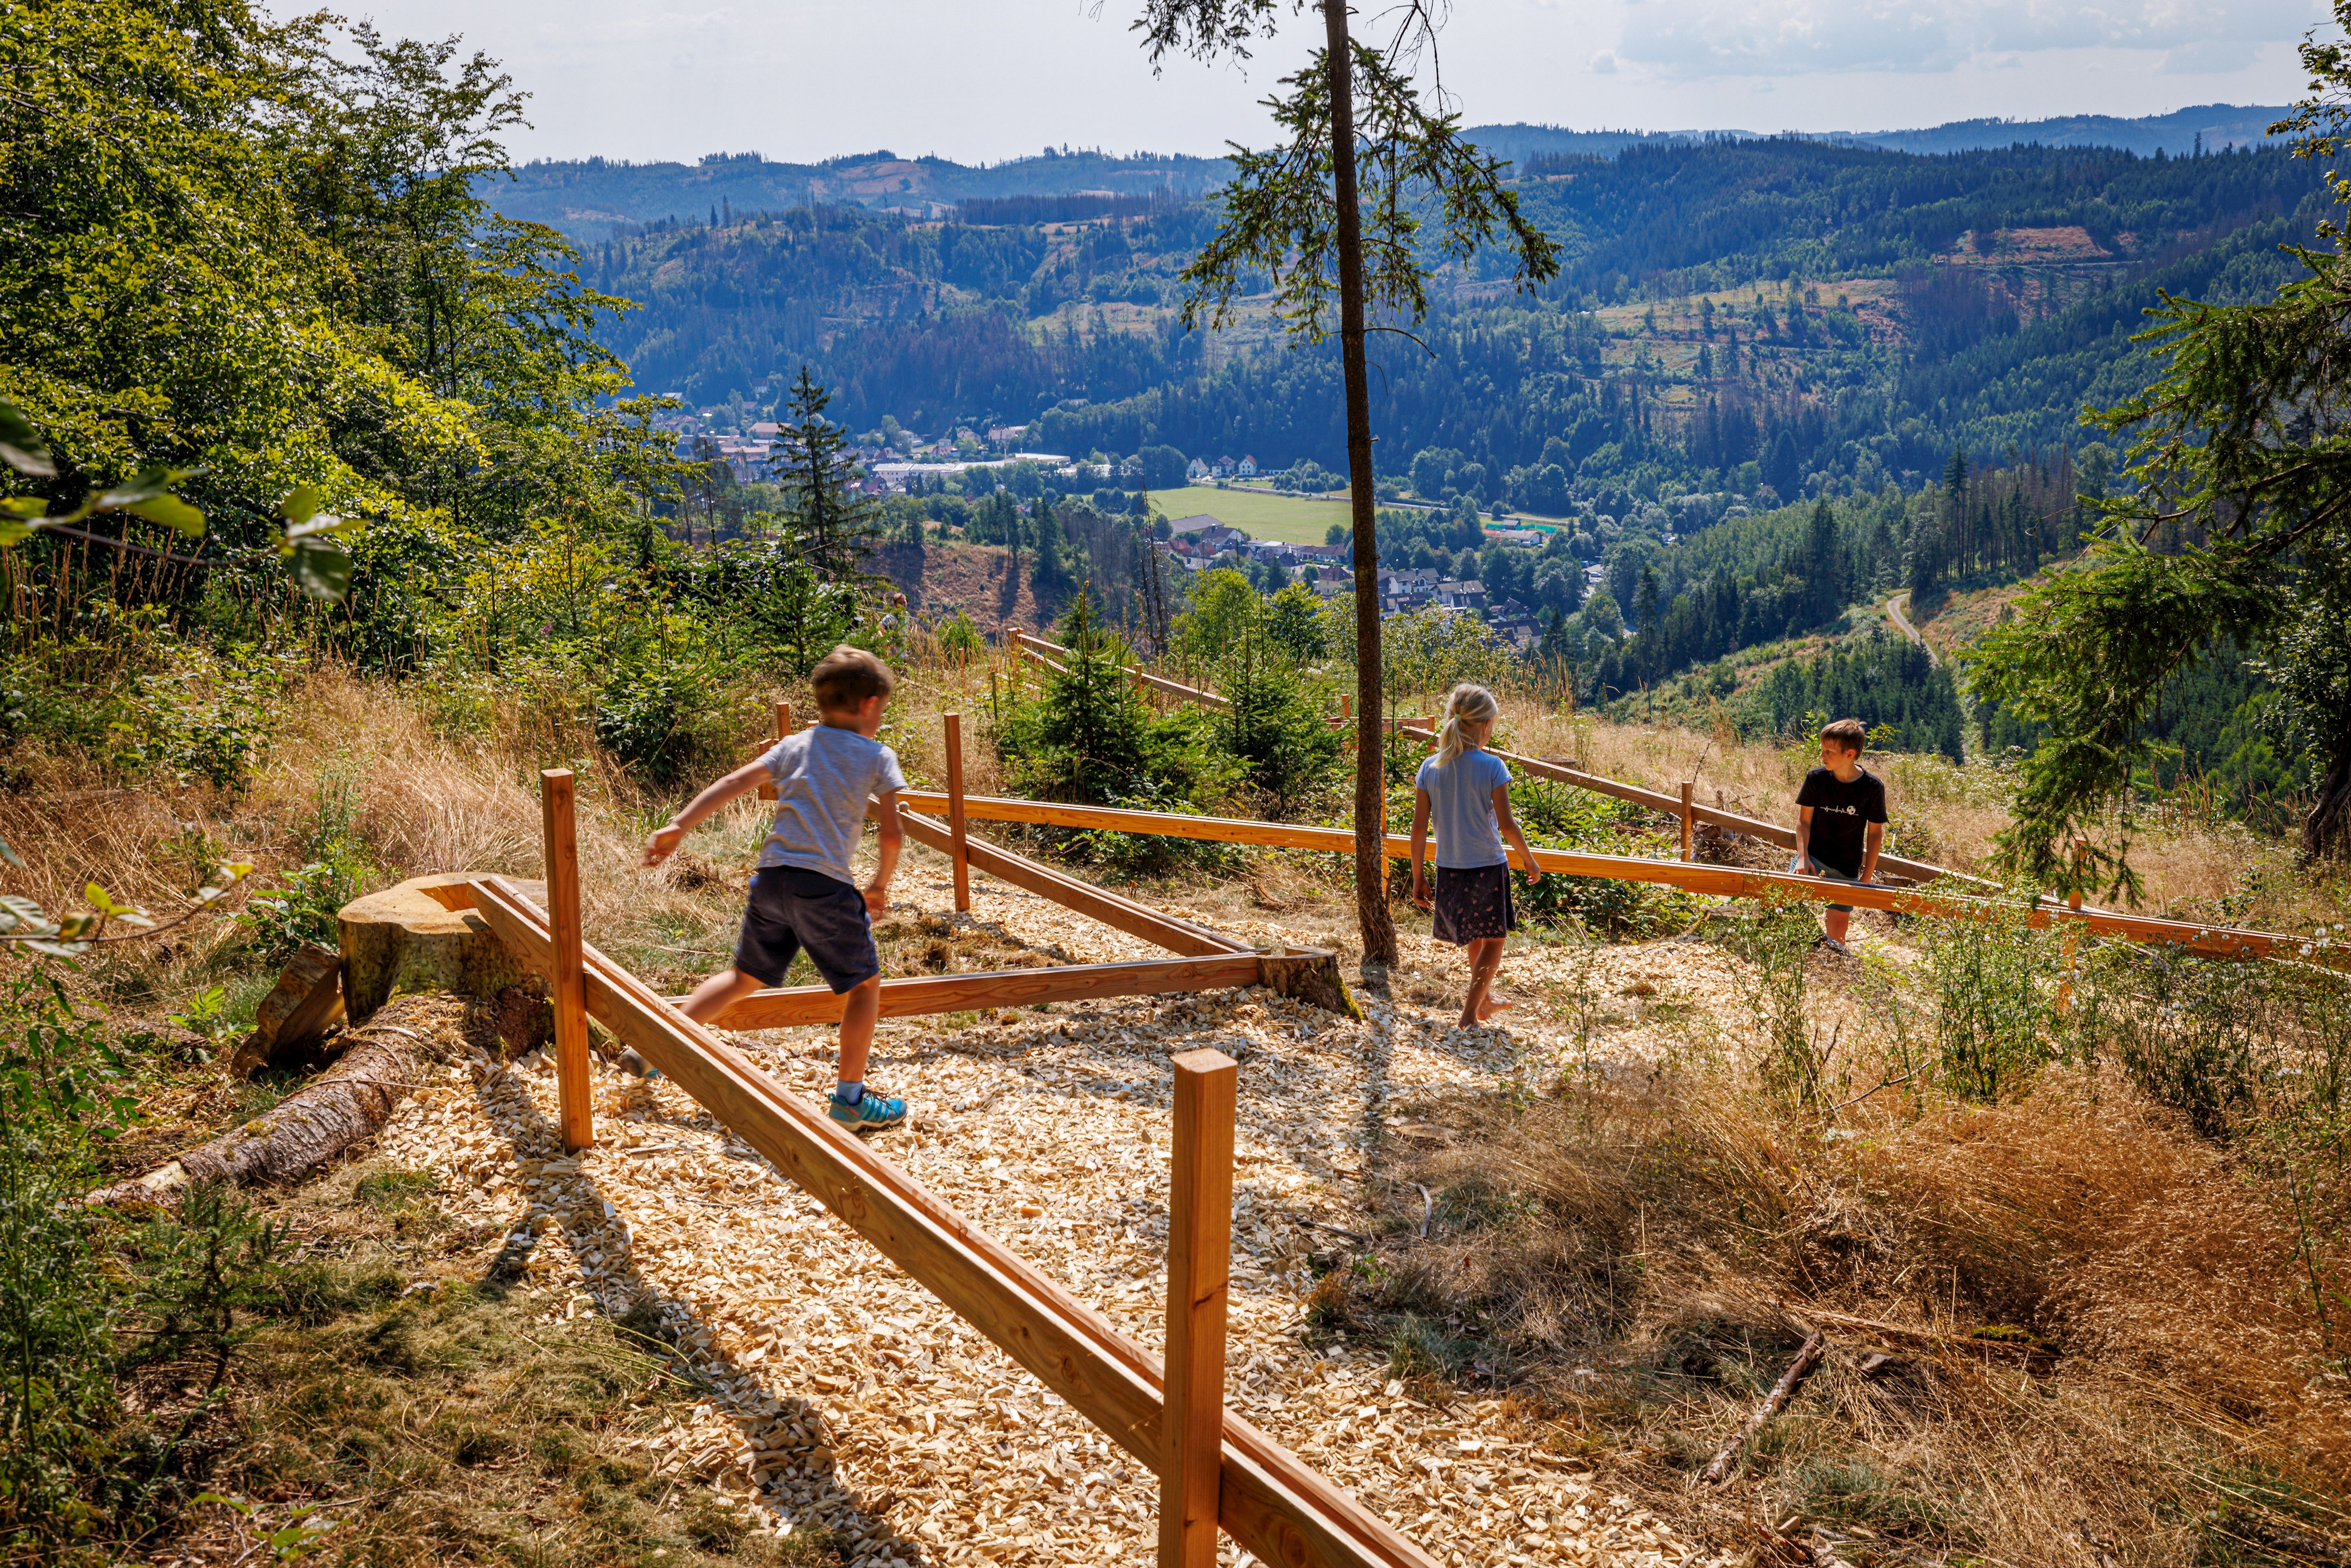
(844, 1396)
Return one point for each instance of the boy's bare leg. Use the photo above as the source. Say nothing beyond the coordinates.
(858, 1009)
(1485, 958)
(1836, 921)
(718, 993)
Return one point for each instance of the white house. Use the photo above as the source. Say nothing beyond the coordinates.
(1245, 468)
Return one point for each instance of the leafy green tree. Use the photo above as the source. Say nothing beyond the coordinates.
(1294, 619)
(836, 524)
(1224, 605)
(2235, 523)
(1354, 117)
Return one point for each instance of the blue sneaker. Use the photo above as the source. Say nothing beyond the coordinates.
(871, 1114)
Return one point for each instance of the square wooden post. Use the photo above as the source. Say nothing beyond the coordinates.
(2072, 930)
(1199, 1272)
(574, 1109)
(783, 729)
(1688, 791)
(960, 855)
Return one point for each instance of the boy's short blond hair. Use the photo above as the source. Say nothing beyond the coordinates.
(845, 678)
(1849, 732)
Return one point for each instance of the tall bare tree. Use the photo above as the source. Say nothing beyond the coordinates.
(1357, 129)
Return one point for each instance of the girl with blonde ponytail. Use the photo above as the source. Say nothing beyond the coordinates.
(1466, 790)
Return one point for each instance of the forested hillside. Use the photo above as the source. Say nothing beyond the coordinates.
(1833, 315)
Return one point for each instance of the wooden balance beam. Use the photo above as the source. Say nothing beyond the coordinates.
(1267, 1499)
(1727, 882)
(781, 1008)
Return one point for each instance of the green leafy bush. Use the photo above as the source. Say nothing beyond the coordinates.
(1994, 986)
(1560, 817)
(673, 713)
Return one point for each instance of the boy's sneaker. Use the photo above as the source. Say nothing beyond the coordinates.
(871, 1114)
(1834, 946)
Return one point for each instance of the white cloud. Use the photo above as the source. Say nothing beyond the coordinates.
(1692, 39)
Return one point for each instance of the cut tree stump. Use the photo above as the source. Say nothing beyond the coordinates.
(404, 939)
(345, 1105)
(1310, 978)
(306, 1001)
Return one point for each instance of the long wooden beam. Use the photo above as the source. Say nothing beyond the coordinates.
(1267, 1500)
(1037, 648)
(1099, 904)
(1727, 882)
(780, 1007)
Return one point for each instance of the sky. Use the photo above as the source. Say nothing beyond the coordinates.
(674, 79)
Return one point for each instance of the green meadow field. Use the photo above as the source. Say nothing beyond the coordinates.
(1262, 516)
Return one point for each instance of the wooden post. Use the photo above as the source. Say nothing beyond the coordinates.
(574, 1111)
(1199, 1269)
(783, 729)
(961, 855)
(2073, 931)
(1688, 791)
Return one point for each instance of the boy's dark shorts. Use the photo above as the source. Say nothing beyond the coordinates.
(1832, 874)
(792, 909)
(1473, 905)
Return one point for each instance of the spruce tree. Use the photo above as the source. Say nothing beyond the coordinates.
(837, 527)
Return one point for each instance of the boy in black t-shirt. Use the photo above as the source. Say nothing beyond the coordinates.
(1840, 820)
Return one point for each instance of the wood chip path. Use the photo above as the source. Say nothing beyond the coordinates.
(843, 1395)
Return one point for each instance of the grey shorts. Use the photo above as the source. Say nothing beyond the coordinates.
(1827, 873)
(793, 911)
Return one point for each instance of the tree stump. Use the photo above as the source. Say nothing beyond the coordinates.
(404, 939)
(1311, 978)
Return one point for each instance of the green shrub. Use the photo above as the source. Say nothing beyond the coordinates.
(1994, 987)
(1089, 738)
(670, 711)
(1276, 727)
(1559, 816)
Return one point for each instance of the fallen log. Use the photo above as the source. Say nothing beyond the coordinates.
(1719, 1469)
(344, 1106)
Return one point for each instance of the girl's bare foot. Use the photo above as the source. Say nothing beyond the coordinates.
(1492, 1005)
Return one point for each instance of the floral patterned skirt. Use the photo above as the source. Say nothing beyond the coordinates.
(1475, 905)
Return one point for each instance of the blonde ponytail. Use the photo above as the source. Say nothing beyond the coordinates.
(1474, 704)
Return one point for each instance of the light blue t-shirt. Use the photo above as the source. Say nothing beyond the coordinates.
(1461, 808)
(823, 774)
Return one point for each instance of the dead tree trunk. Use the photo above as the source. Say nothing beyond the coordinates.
(345, 1105)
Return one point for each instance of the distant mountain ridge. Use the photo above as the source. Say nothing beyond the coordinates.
(595, 198)
(2219, 125)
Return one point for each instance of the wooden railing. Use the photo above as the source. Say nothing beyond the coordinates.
(1727, 882)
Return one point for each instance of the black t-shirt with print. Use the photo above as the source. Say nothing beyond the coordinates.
(1839, 812)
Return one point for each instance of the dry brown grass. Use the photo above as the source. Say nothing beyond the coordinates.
(1632, 1255)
